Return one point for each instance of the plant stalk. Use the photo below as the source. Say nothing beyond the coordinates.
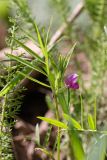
(3, 113)
(58, 138)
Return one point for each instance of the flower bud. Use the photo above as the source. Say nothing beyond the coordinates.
(71, 81)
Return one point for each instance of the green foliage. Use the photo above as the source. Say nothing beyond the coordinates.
(76, 145)
(54, 122)
(47, 137)
(98, 14)
(26, 63)
(5, 147)
(91, 122)
(73, 122)
(10, 107)
(11, 102)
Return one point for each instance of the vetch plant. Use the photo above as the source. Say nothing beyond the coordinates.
(48, 67)
(63, 89)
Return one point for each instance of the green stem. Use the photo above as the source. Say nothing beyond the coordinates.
(5, 99)
(95, 106)
(3, 113)
(58, 143)
(57, 110)
(46, 152)
(47, 64)
(68, 97)
(82, 111)
(58, 138)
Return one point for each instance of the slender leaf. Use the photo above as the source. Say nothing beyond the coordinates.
(49, 102)
(34, 80)
(91, 122)
(68, 57)
(82, 112)
(62, 101)
(37, 135)
(18, 77)
(54, 122)
(31, 52)
(29, 35)
(15, 80)
(47, 137)
(30, 65)
(47, 35)
(51, 78)
(95, 115)
(73, 121)
(46, 152)
(40, 40)
(76, 145)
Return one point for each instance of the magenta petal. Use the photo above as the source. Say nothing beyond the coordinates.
(71, 81)
(74, 86)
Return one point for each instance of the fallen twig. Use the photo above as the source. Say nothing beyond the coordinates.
(62, 28)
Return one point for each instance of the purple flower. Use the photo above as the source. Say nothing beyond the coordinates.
(71, 81)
